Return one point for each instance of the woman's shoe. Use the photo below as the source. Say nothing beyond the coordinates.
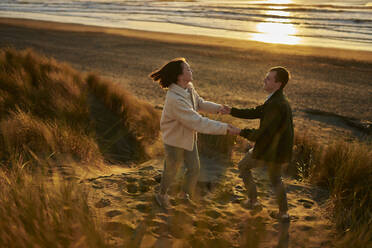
(186, 199)
(163, 200)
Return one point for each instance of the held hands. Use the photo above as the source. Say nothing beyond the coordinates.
(233, 130)
(225, 109)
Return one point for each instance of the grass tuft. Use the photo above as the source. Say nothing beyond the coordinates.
(44, 109)
(345, 169)
(139, 118)
(36, 212)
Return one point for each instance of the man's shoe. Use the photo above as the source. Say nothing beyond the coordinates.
(163, 200)
(253, 205)
(282, 217)
(187, 200)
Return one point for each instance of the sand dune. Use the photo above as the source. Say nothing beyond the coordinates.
(125, 200)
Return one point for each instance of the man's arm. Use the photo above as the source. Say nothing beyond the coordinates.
(249, 113)
(268, 127)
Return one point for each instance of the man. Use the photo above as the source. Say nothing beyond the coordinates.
(273, 139)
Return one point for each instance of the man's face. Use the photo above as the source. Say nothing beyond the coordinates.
(270, 84)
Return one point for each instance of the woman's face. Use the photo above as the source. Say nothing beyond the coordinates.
(186, 76)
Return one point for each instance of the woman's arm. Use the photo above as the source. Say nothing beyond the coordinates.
(205, 106)
(181, 111)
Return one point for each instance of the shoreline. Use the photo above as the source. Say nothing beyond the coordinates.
(338, 53)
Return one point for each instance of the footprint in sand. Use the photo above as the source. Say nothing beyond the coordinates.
(144, 208)
(132, 188)
(305, 228)
(130, 179)
(118, 229)
(103, 203)
(310, 218)
(146, 184)
(306, 203)
(97, 186)
(113, 213)
(213, 213)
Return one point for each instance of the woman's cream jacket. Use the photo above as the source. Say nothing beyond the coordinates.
(180, 120)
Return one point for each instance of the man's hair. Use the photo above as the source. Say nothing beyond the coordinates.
(168, 73)
(282, 75)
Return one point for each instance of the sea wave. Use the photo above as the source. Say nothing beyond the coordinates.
(316, 6)
(221, 12)
(321, 21)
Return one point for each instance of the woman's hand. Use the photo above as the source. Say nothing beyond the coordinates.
(224, 109)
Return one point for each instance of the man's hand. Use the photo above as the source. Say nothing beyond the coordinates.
(225, 109)
(233, 130)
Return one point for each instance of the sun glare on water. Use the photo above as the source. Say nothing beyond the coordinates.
(278, 1)
(277, 30)
(282, 33)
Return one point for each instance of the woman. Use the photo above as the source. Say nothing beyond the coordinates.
(179, 125)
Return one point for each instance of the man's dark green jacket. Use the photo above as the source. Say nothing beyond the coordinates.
(274, 138)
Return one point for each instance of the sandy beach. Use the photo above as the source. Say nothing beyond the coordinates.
(329, 89)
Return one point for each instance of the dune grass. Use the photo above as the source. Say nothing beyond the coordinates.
(45, 123)
(43, 109)
(137, 117)
(345, 169)
(306, 153)
(37, 212)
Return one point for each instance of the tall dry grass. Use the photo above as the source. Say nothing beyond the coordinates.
(346, 170)
(36, 212)
(306, 153)
(45, 120)
(43, 109)
(138, 117)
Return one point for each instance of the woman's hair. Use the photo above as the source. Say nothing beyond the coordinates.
(168, 73)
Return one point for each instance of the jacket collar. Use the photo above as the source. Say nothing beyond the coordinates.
(179, 90)
(276, 94)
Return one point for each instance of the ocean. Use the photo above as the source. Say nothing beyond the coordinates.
(326, 23)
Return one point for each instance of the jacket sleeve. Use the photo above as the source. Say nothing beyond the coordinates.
(206, 106)
(250, 113)
(268, 127)
(191, 119)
